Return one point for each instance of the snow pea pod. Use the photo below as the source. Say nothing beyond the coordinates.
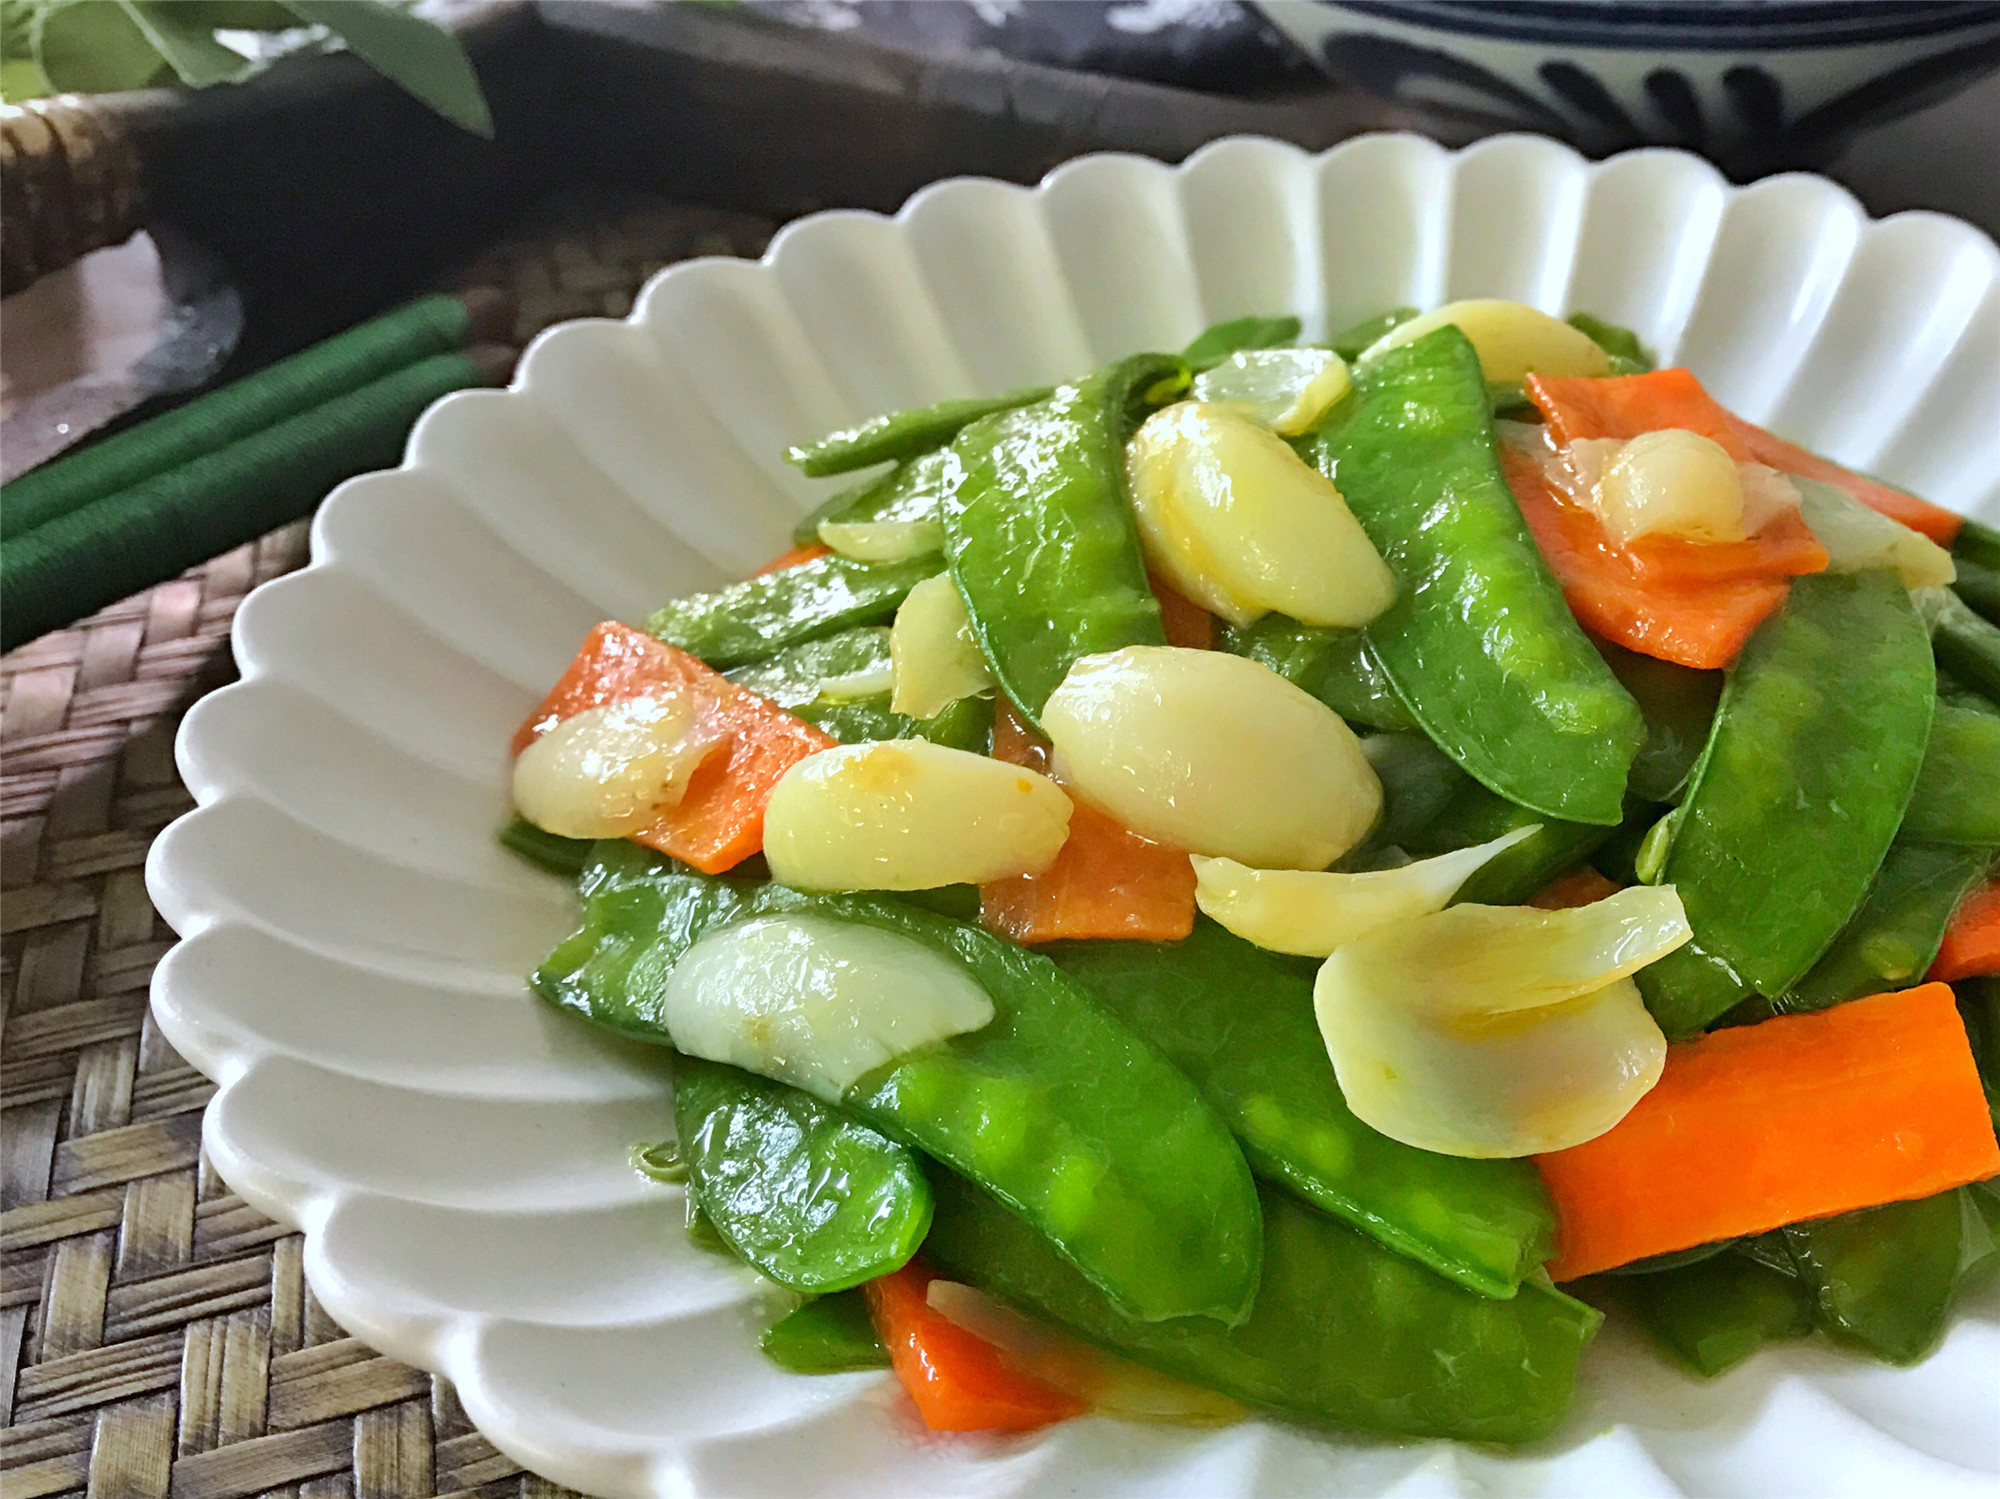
(760, 616)
(807, 1196)
(909, 491)
(1967, 645)
(1795, 800)
(828, 1335)
(545, 850)
(1343, 1331)
(796, 678)
(1350, 341)
(1883, 1279)
(1239, 1022)
(1479, 644)
(902, 434)
(1335, 666)
(1061, 1111)
(1678, 704)
(1628, 355)
(1716, 1313)
(1894, 936)
(1039, 534)
(1978, 584)
(1218, 341)
(1475, 815)
(1957, 797)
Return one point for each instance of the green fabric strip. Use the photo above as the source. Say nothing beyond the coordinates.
(110, 548)
(345, 362)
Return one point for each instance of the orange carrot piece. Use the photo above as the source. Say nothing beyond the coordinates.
(1689, 602)
(1798, 1117)
(1186, 622)
(1582, 886)
(1107, 882)
(1627, 405)
(792, 557)
(1971, 944)
(720, 821)
(959, 1382)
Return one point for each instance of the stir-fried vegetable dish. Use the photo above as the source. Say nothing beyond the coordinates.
(1298, 876)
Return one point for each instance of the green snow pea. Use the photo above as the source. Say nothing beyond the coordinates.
(828, 1335)
(1967, 645)
(545, 850)
(1628, 355)
(1978, 584)
(1797, 795)
(1349, 342)
(1419, 782)
(794, 679)
(807, 1196)
(1039, 533)
(1976, 542)
(1678, 703)
(1218, 341)
(1335, 666)
(1480, 644)
(760, 616)
(1475, 815)
(1343, 1331)
(1883, 1279)
(909, 491)
(1957, 799)
(902, 434)
(1891, 940)
(1719, 1311)
(1239, 1022)
(1057, 1108)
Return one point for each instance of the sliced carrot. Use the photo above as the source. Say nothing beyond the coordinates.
(1761, 1125)
(1627, 405)
(1186, 622)
(1582, 886)
(1971, 944)
(792, 558)
(1107, 882)
(958, 1381)
(1689, 602)
(720, 820)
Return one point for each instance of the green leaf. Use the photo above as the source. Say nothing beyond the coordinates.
(188, 43)
(91, 47)
(421, 57)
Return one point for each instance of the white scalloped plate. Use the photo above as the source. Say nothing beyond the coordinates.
(354, 940)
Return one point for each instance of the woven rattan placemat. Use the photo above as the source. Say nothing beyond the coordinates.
(156, 1334)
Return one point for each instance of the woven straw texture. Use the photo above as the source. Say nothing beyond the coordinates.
(156, 1334)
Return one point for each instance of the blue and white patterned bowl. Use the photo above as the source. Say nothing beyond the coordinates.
(1757, 85)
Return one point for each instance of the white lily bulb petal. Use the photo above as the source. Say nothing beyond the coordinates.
(1672, 483)
(1106, 1382)
(906, 814)
(1518, 1084)
(1287, 390)
(935, 656)
(816, 1002)
(1238, 522)
(1212, 753)
(853, 686)
(1311, 914)
(883, 540)
(1512, 340)
(1858, 539)
(606, 772)
(1499, 1030)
